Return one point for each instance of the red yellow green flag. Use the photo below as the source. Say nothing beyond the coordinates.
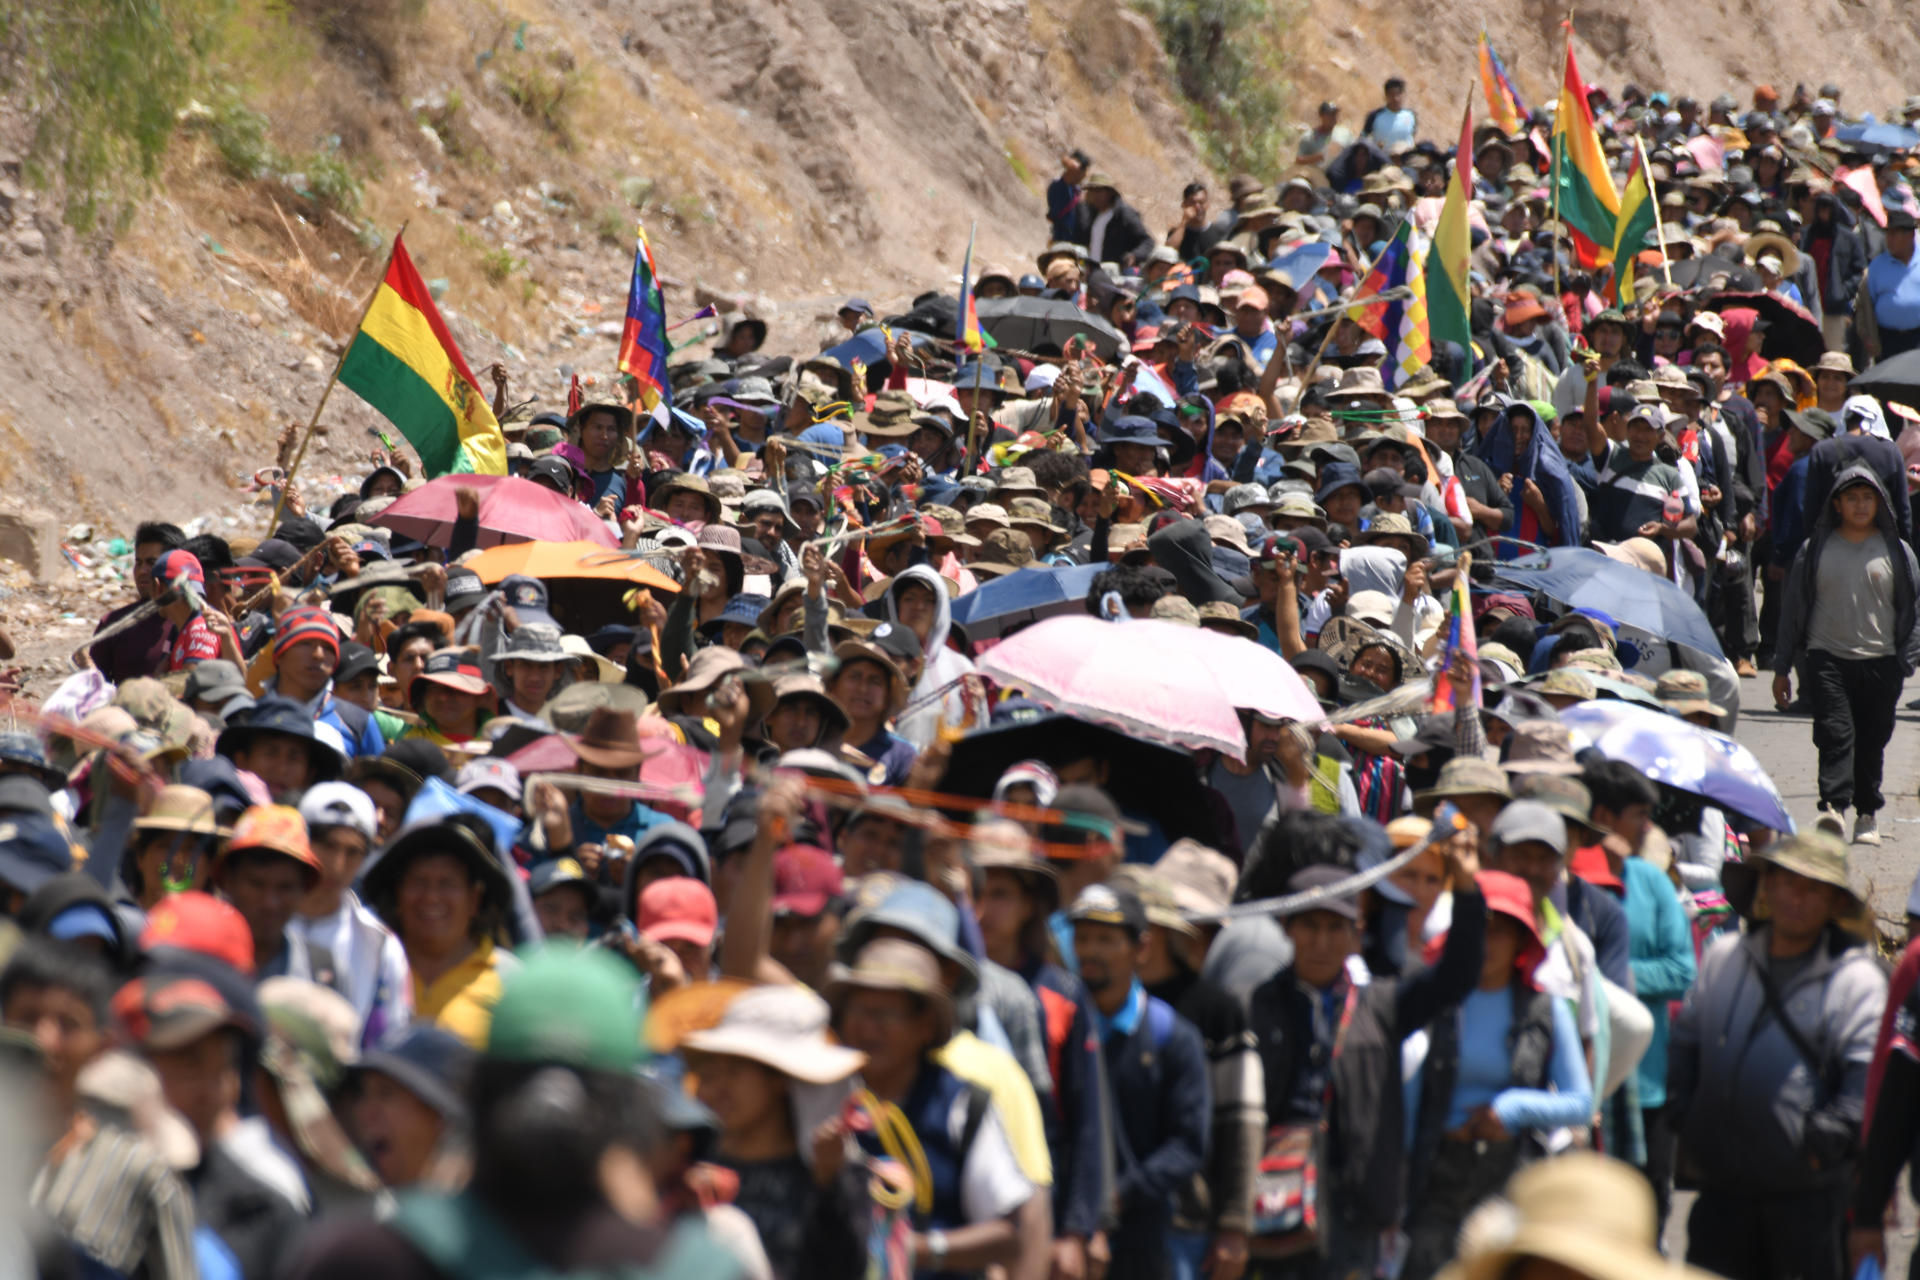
(1584, 194)
(1448, 293)
(405, 364)
(1638, 213)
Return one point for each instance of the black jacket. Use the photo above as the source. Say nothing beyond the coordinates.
(1365, 1158)
(1126, 237)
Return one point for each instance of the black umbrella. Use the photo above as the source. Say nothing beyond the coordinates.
(1029, 324)
(1896, 378)
(1145, 778)
(1791, 329)
(1713, 273)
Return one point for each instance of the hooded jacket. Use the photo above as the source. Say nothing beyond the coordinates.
(1802, 591)
(943, 665)
(1541, 462)
(1184, 550)
(1846, 261)
(1830, 457)
(674, 833)
(1753, 1116)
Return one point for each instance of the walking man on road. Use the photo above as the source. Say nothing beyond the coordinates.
(1848, 614)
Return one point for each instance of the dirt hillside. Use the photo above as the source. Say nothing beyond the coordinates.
(783, 153)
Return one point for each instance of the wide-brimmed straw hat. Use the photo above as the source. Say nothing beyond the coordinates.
(781, 1027)
(708, 668)
(894, 964)
(1591, 1215)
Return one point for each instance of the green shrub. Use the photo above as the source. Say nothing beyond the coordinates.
(103, 80)
(240, 134)
(1230, 63)
(499, 264)
(331, 183)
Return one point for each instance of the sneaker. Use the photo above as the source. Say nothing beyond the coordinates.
(1832, 821)
(1864, 829)
(1745, 668)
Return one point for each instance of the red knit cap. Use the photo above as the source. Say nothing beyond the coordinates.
(307, 622)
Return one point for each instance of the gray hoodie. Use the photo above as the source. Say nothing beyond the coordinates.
(1753, 1116)
(1802, 588)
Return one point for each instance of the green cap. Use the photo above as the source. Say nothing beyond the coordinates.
(577, 1007)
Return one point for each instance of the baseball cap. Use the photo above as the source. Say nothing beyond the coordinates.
(577, 1007)
(527, 597)
(32, 849)
(464, 588)
(1525, 821)
(339, 804)
(202, 923)
(1036, 774)
(678, 907)
(1319, 876)
(555, 874)
(169, 1011)
(1109, 904)
(355, 661)
(1086, 810)
(273, 828)
(487, 773)
(805, 880)
(171, 566)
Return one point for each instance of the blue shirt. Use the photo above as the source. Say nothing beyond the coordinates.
(1391, 128)
(639, 818)
(1127, 1018)
(1486, 1069)
(1894, 287)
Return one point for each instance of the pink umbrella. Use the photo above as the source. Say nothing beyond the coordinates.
(511, 510)
(1168, 683)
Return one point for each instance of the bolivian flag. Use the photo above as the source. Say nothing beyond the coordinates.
(1448, 257)
(404, 363)
(1585, 197)
(1638, 213)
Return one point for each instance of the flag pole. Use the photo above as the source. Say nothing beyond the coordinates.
(1653, 198)
(314, 422)
(1560, 129)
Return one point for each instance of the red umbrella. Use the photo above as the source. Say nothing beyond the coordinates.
(511, 510)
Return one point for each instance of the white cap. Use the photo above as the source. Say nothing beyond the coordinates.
(488, 773)
(1043, 376)
(339, 804)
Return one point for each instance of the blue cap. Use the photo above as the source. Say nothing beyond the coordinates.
(1336, 476)
(527, 597)
(84, 920)
(1133, 429)
(744, 608)
(32, 851)
(1032, 281)
(858, 305)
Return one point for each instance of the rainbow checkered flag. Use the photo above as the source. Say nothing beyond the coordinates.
(643, 338)
(1460, 639)
(1400, 323)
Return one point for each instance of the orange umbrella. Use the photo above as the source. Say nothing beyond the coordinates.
(551, 560)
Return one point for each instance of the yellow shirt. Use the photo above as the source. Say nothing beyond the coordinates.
(461, 1000)
(977, 1062)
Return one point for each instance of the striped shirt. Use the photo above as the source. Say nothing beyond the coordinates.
(116, 1200)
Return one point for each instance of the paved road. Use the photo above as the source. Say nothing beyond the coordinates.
(1784, 744)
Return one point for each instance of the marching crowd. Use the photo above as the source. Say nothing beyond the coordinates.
(368, 915)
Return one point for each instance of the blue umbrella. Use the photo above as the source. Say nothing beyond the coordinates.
(1885, 137)
(869, 347)
(1299, 265)
(1023, 596)
(1583, 579)
(1684, 756)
